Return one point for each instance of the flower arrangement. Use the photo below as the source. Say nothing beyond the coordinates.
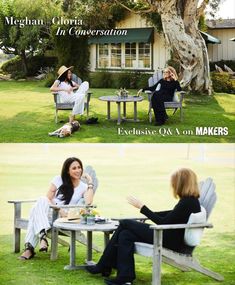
(88, 215)
(88, 212)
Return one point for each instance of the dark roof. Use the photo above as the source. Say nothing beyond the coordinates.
(221, 24)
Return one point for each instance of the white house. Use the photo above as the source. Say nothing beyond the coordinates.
(143, 48)
(225, 31)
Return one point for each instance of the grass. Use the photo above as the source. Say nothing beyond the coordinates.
(27, 115)
(122, 169)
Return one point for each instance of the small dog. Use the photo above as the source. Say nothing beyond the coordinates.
(66, 130)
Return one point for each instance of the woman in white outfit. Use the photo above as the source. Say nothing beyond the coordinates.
(64, 189)
(65, 87)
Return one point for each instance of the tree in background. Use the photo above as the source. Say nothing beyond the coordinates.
(179, 20)
(28, 40)
(74, 50)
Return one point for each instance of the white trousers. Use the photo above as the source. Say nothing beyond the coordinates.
(38, 220)
(78, 98)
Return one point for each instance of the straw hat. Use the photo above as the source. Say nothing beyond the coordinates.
(73, 217)
(63, 69)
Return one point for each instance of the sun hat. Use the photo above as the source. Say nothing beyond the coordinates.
(73, 217)
(62, 70)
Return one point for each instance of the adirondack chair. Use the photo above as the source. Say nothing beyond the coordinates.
(183, 261)
(69, 106)
(219, 69)
(229, 70)
(175, 104)
(22, 223)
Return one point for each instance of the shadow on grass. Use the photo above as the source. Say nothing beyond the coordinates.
(33, 125)
(216, 253)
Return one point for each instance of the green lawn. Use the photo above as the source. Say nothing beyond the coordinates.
(122, 169)
(27, 115)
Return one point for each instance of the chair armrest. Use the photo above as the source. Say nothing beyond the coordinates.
(57, 207)
(180, 226)
(181, 95)
(22, 201)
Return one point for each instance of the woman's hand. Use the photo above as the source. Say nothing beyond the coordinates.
(173, 76)
(70, 90)
(87, 177)
(135, 202)
(139, 92)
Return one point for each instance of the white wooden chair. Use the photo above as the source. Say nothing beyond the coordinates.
(69, 106)
(229, 70)
(218, 69)
(177, 102)
(183, 261)
(21, 223)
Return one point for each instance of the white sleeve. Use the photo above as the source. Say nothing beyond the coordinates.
(57, 181)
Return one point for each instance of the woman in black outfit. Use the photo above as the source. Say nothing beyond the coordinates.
(164, 91)
(119, 252)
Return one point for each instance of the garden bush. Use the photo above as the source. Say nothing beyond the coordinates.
(101, 79)
(34, 64)
(127, 79)
(222, 82)
(50, 78)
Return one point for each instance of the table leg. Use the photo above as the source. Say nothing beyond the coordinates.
(124, 109)
(108, 110)
(119, 113)
(89, 247)
(72, 265)
(135, 111)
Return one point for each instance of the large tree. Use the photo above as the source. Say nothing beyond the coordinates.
(179, 20)
(28, 40)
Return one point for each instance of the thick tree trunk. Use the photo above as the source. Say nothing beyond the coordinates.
(182, 34)
(24, 61)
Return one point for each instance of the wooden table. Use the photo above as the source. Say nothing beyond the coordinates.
(106, 228)
(119, 100)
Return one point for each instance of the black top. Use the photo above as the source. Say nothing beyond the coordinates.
(167, 87)
(174, 239)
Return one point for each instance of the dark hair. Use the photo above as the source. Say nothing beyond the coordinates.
(64, 77)
(67, 189)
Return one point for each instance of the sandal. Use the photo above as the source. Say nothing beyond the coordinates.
(30, 248)
(44, 248)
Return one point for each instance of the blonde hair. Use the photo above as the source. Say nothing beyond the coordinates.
(184, 183)
(172, 70)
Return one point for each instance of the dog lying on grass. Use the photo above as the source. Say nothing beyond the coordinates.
(66, 130)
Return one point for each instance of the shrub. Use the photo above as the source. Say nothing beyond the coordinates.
(50, 78)
(101, 79)
(18, 75)
(34, 64)
(124, 79)
(12, 65)
(222, 82)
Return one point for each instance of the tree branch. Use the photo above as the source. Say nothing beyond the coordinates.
(202, 7)
(151, 9)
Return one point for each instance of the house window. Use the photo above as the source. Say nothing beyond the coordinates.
(116, 55)
(103, 55)
(130, 55)
(125, 55)
(144, 55)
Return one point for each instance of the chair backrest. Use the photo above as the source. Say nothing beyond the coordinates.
(89, 170)
(155, 78)
(208, 195)
(76, 79)
(228, 69)
(219, 69)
